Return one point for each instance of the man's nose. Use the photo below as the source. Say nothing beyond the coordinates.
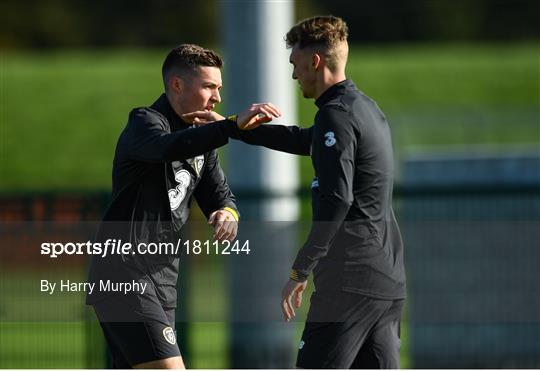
(216, 97)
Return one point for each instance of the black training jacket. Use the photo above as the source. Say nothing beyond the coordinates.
(160, 164)
(354, 244)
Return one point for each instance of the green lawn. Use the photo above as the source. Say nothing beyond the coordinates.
(61, 112)
(42, 345)
(58, 331)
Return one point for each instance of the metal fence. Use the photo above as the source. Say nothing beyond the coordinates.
(472, 252)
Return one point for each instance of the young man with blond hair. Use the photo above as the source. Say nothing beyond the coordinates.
(354, 248)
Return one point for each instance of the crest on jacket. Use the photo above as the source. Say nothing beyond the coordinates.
(197, 164)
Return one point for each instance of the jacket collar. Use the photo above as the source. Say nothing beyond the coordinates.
(333, 91)
(163, 106)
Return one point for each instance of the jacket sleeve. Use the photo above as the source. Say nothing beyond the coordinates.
(290, 139)
(146, 138)
(213, 193)
(334, 149)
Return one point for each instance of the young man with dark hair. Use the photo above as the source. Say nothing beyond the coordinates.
(354, 248)
(161, 163)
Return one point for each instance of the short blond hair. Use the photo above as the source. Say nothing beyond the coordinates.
(327, 32)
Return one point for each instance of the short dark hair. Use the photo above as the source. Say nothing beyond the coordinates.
(186, 58)
(327, 32)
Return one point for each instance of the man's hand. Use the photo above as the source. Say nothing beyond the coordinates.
(202, 117)
(291, 297)
(225, 225)
(249, 119)
(256, 115)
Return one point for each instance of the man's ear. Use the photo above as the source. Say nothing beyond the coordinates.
(176, 84)
(316, 61)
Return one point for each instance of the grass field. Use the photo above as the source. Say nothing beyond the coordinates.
(61, 112)
(42, 331)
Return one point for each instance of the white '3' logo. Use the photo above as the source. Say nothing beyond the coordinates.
(176, 195)
(330, 139)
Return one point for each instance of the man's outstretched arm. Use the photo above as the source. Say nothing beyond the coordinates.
(290, 139)
(146, 139)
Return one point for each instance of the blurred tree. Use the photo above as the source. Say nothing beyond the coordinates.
(419, 20)
(66, 23)
(84, 23)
